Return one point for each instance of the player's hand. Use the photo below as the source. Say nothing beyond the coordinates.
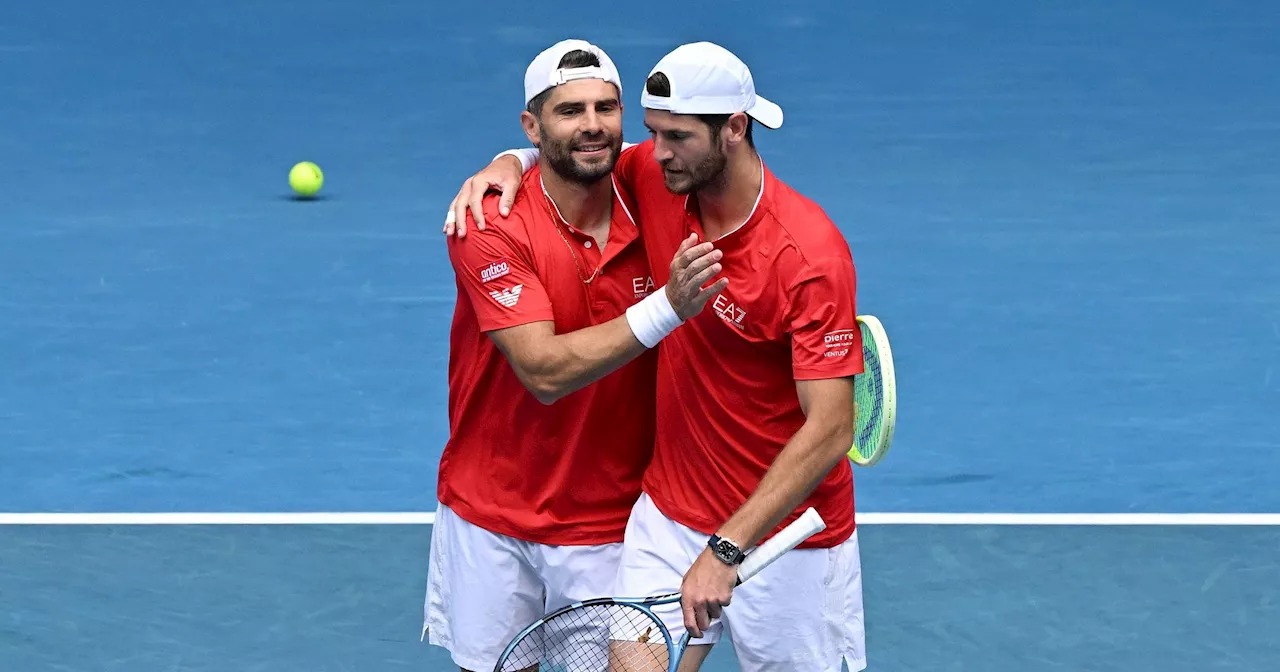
(693, 265)
(503, 174)
(707, 589)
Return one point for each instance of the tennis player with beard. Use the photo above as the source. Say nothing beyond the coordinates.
(755, 397)
(551, 373)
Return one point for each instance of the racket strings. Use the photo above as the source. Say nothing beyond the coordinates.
(592, 638)
(870, 397)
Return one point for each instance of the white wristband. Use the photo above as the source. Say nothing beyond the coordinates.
(653, 318)
(528, 157)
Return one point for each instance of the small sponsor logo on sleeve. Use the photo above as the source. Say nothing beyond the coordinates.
(839, 342)
(494, 271)
(507, 297)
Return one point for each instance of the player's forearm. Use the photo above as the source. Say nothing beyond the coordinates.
(560, 364)
(812, 452)
(575, 360)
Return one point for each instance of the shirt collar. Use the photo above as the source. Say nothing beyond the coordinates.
(622, 223)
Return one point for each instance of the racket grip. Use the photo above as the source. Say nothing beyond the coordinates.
(808, 524)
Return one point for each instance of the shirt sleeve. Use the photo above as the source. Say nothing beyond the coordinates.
(826, 341)
(496, 274)
(528, 157)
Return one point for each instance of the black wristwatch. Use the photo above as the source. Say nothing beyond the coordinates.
(725, 551)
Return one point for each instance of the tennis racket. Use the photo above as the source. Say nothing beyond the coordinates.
(875, 392)
(616, 634)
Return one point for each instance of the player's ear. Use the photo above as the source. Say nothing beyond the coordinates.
(735, 130)
(531, 130)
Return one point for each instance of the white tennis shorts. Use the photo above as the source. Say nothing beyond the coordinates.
(484, 587)
(803, 612)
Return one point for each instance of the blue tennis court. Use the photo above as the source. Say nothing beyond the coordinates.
(1064, 213)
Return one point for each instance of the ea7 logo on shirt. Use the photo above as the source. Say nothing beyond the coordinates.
(838, 342)
(507, 297)
(494, 271)
(729, 311)
(642, 286)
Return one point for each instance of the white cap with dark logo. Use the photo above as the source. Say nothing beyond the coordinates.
(706, 78)
(545, 71)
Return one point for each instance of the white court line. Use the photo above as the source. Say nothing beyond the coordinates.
(427, 518)
(1087, 519)
(319, 518)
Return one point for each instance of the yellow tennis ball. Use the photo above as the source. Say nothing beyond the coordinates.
(306, 178)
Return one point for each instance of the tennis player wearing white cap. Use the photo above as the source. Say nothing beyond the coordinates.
(551, 375)
(755, 398)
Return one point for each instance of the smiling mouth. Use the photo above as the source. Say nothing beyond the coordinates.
(596, 148)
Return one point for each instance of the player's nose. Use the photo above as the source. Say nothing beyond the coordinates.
(592, 122)
(661, 152)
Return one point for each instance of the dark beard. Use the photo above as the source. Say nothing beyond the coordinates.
(559, 155)
(708, 171)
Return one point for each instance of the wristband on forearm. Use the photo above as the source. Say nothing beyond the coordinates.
(653, 318)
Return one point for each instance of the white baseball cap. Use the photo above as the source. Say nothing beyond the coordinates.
(706, 78)
(545, 71)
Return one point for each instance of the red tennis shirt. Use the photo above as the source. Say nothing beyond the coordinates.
(727, 399)
(566, 473)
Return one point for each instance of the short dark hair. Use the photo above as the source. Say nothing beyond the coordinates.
(658, 85)
(573, 59)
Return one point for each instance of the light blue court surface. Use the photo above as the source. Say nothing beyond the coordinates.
(347, 598)
(1064, 213)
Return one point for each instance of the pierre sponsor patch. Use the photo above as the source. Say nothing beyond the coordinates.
(839, 342)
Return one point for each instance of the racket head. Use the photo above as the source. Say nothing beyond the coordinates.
(601, 635)
(624, 634)
(875, 391)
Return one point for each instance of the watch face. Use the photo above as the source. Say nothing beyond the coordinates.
(725, 550)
